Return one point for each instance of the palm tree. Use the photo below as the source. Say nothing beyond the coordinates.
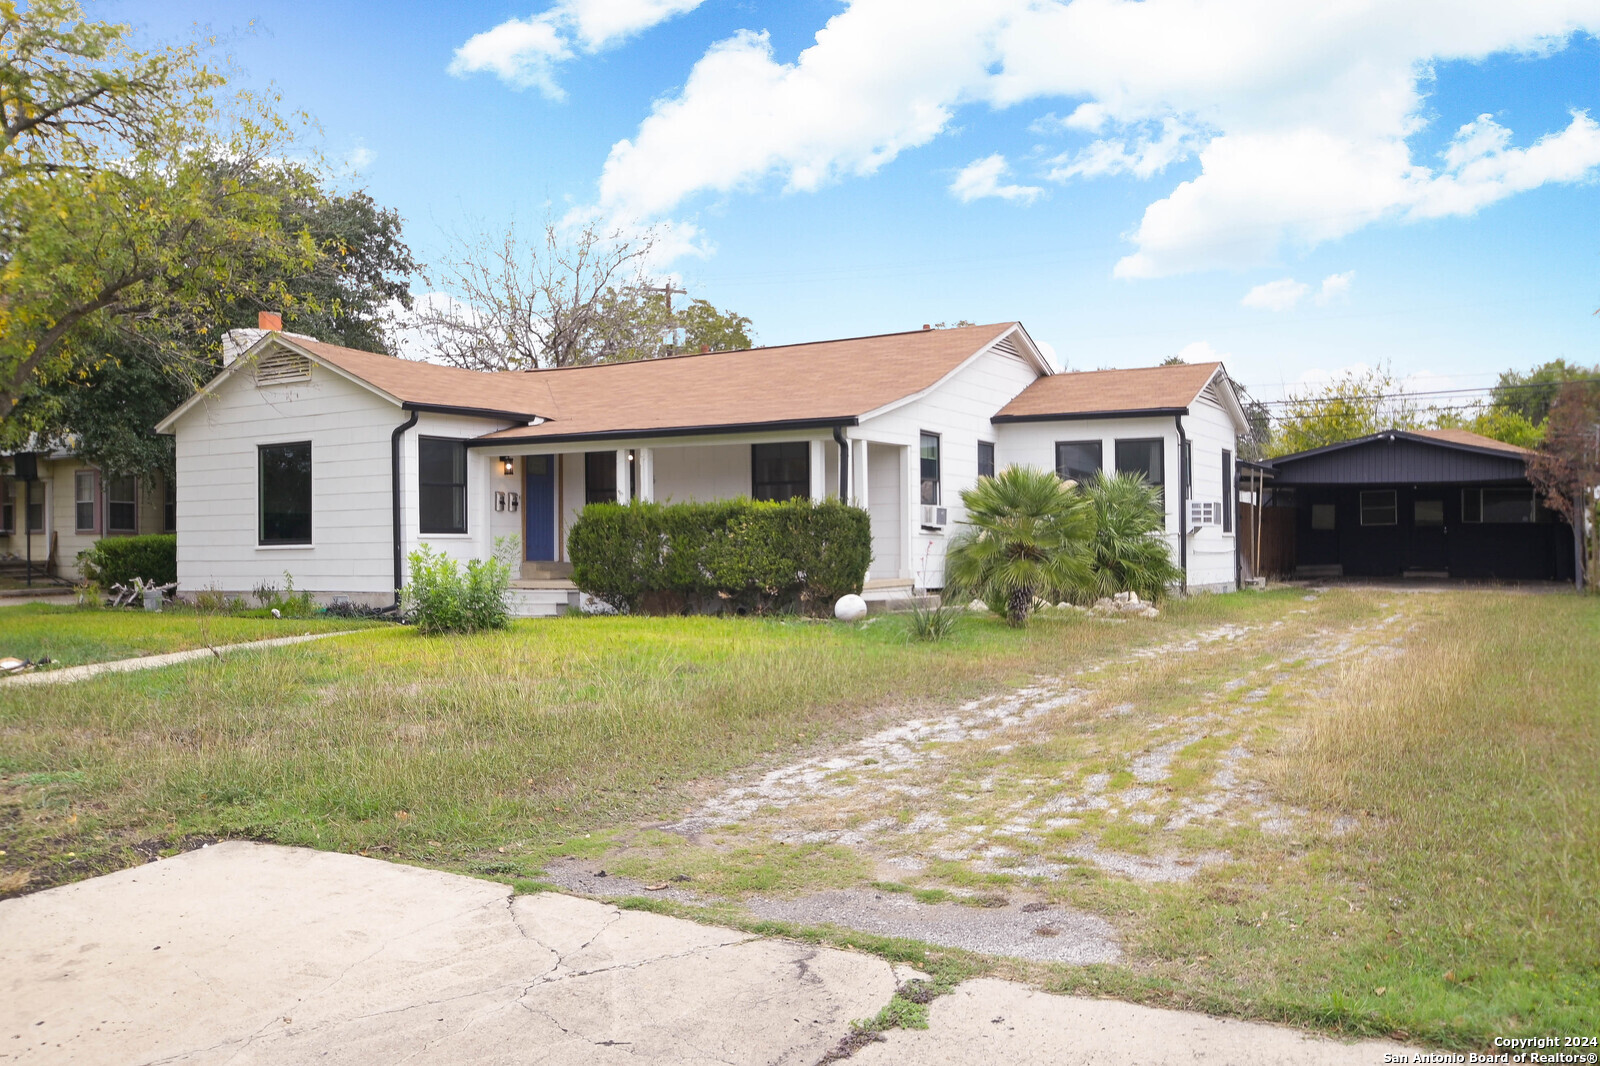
(1130, 551)
(1028, 535)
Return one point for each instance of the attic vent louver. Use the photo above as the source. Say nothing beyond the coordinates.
(281, 368)
(1007, 347)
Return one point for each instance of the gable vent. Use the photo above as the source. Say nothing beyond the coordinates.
(1007, 346)
(281, 367)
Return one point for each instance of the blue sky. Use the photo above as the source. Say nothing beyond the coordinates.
(1295, 187)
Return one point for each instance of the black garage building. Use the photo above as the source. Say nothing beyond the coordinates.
(1443, 503)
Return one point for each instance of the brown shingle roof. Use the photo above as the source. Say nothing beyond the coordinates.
(428, 384)
(1472, 440)
(797, 383)
(1104, 392)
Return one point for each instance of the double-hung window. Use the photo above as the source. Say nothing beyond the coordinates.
(1379, 507)
(1078, 460)
(930, 468)
(284, 488)
(1143, 456)
(442, 485)
(780, 471)
(122, 505)
(83, 502)
(8, 507)
(599, 477)
(985, 459)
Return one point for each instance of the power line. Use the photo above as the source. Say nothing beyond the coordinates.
(1425, 394)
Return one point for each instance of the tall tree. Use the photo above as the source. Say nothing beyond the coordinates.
(565, 299)
(1531, 393)
(1355, 404)
(125, 192)
(1568, 462)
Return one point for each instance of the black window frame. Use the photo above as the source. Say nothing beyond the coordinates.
(169, 506)
(1067, 472)
(1474, 511)
(780, 470)
(131, 503)
(262, 539)
(432, 491)
(1228, 494)
(930, 469)
(1157, 448)
(599, 477)
(8, 507)
(986, 458)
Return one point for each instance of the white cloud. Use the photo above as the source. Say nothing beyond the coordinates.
(981, 178)
(1200, 352)
(1335, 287)
(1299, 117)
(523, 53)
(1280, 295)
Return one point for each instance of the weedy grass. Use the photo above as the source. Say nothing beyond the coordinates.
(73, 636)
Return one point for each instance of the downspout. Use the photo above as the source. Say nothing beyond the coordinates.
(1183, 504)
(394, 496)
(844, 463)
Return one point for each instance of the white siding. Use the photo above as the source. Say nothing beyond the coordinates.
(886, 508)
(958, 410)
(349, 429)
(702, 472)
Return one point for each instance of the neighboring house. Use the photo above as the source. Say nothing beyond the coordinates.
(1423, 503)
(73, 505)
(333, 464)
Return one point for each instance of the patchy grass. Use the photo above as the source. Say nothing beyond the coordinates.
(72, 636)
(1427, 860)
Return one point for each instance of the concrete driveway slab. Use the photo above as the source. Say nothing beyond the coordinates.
(248, 953)
(992, 1021)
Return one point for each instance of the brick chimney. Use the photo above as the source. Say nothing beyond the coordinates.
(926, 326)
(269, 320)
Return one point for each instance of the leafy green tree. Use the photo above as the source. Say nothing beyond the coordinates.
(1355, 404)
(1500, 423)
(126, 192)
(1130, 551)
(1532, 393)
(707, 329)
(1029, 534)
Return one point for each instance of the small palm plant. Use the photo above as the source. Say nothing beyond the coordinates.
(1029, 535)
(1130, 552)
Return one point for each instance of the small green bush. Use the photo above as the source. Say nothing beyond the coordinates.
(739, 555)
(118, 560)
(441, 598)
(287, 602)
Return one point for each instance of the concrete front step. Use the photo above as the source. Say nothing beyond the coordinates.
(542, 599)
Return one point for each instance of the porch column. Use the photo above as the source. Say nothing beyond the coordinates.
(622, 475)
(819, 471)
(647, 475)
(858, 473)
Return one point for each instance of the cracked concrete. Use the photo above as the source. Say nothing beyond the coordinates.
(248, 953)
(244, 954)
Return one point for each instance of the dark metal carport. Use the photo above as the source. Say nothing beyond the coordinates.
(1437, 503)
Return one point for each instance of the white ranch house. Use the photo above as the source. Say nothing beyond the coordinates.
(333, 464)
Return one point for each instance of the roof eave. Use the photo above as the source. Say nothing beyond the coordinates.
(510, 436)
(1085, 416)
(1390, 434)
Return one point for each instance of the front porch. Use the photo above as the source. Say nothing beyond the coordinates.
(540, 489)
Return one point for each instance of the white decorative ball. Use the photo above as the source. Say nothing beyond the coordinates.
(850, 608)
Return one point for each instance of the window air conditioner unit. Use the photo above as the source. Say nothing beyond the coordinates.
(1205, 513)
(935, 517)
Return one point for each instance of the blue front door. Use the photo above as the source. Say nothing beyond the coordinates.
(539, 505)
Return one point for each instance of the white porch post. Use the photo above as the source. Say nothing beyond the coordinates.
(622, 475)
(819, 471)
(911, 509)
(647, 475)
(858, 473)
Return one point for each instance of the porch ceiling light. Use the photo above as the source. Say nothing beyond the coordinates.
(508, 464)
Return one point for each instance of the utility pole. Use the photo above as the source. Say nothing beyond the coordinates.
(667, 290)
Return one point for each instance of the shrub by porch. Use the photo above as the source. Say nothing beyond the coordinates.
(740, 555)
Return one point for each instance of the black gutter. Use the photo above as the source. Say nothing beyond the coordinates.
(671, 431)
(1183, 520)
(394, 494)
(479, 412)
(1076, 416)
(844, 463)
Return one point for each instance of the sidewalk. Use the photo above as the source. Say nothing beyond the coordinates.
(251, 953)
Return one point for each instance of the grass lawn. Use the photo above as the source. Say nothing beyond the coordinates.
(1435, 755)
(72, 636)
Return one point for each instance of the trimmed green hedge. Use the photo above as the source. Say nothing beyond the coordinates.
(740, 555)
(118, 560)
